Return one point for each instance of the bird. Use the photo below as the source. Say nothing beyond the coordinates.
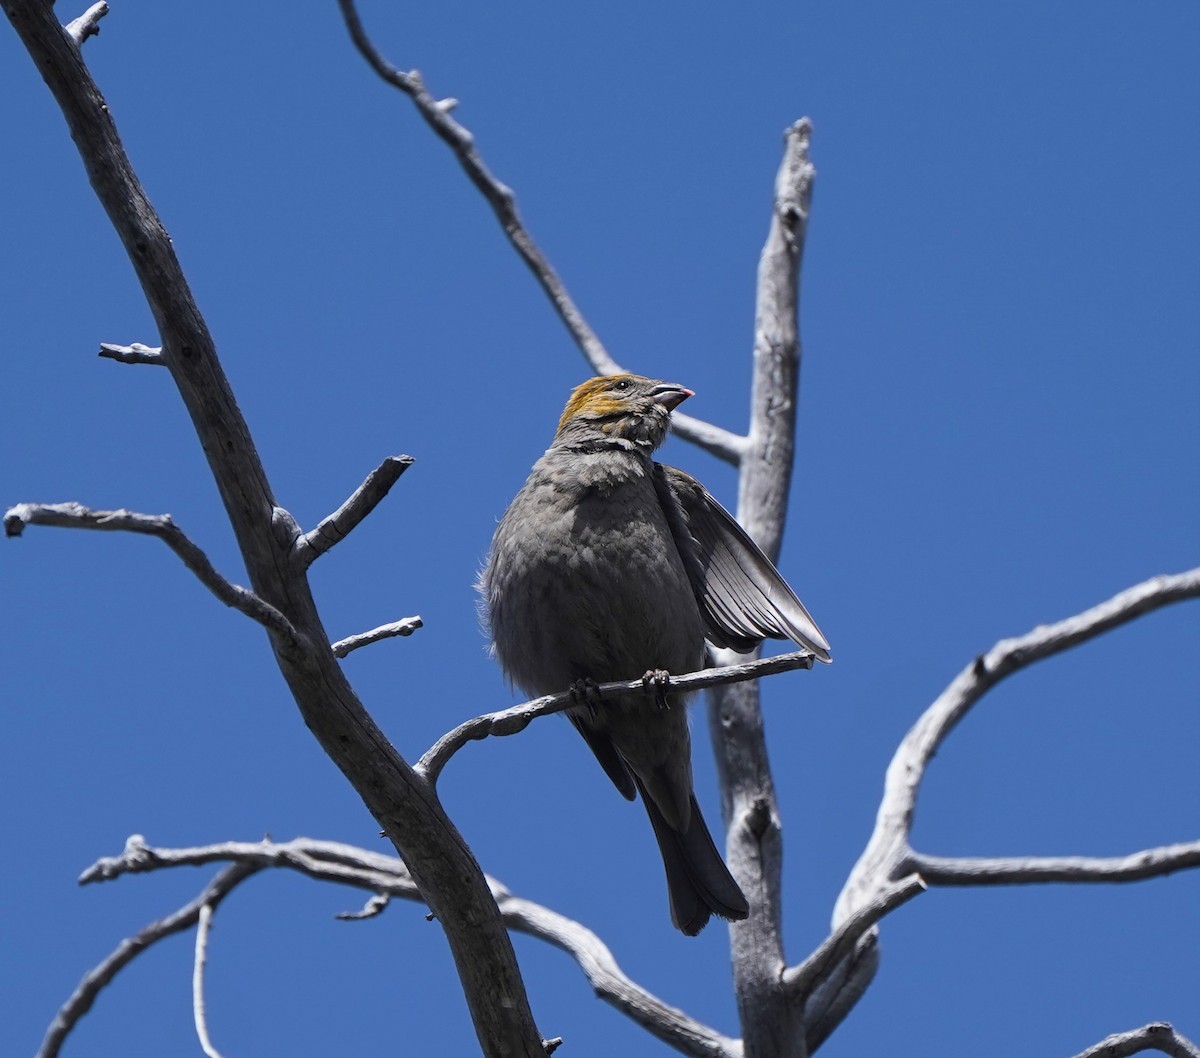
(609, 566)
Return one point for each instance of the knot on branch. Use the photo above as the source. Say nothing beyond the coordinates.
(759, 818)
(136, 856)
(284, 526)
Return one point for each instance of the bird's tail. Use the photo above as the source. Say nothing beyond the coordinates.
(698, 882)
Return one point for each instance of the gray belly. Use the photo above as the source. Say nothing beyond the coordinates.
(598, 591)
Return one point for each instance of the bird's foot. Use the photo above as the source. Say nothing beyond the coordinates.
(586, 692)
(658, 681)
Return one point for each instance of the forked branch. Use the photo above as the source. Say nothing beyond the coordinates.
(81, 1000)
(889, 857)
(400, 801)
(387, 877)
(889, 853)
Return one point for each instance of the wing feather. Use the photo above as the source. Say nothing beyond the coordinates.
(743, 597)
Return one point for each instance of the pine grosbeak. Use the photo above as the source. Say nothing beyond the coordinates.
(610, 566)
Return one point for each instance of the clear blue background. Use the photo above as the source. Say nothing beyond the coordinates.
(999, 427)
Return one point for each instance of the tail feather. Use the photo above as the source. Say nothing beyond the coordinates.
(699, 884)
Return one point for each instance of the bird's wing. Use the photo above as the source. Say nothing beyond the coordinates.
(742, 596)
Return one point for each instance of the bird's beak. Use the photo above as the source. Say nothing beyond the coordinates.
(670, 396)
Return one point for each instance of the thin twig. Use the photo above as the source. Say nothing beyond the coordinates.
(721, 443)
(203, 926)
(501, 198)
(76, 516)
(87, 24)
(406, 626)
(327, 861)
(518, 717)
(133, 354)
(81, 1000)
(363, 501)
(1157, 1036)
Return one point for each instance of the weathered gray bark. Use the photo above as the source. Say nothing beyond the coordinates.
(772, 1025)
(405, 805)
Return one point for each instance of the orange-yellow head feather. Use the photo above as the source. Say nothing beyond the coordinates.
(625, 406)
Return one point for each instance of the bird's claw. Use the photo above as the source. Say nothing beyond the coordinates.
(658, 681)
(586, 692)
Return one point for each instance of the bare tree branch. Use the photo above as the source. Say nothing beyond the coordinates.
(518, 717)
(76, 516)
(203, 927)
(331, 530)
(328, 861)
(403, 799)
(771, 1022)
(801, 980)
(81, 1000)
(500, 197)
(405, 806)
(888, 852)
(1017, 870)
(832, 1000)
(87, 24)
(132, 354)
(721, 443)
(889, 856)
(406, 626)
(765, 483)
(387, 876)
(667, 1023)
(1157, 1036)
(726, 445)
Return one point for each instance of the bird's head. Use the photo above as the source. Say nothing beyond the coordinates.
(628, 407)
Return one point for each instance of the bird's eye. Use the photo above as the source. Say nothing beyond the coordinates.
(621, 384)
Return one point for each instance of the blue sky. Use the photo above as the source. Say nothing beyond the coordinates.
(998, 428)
